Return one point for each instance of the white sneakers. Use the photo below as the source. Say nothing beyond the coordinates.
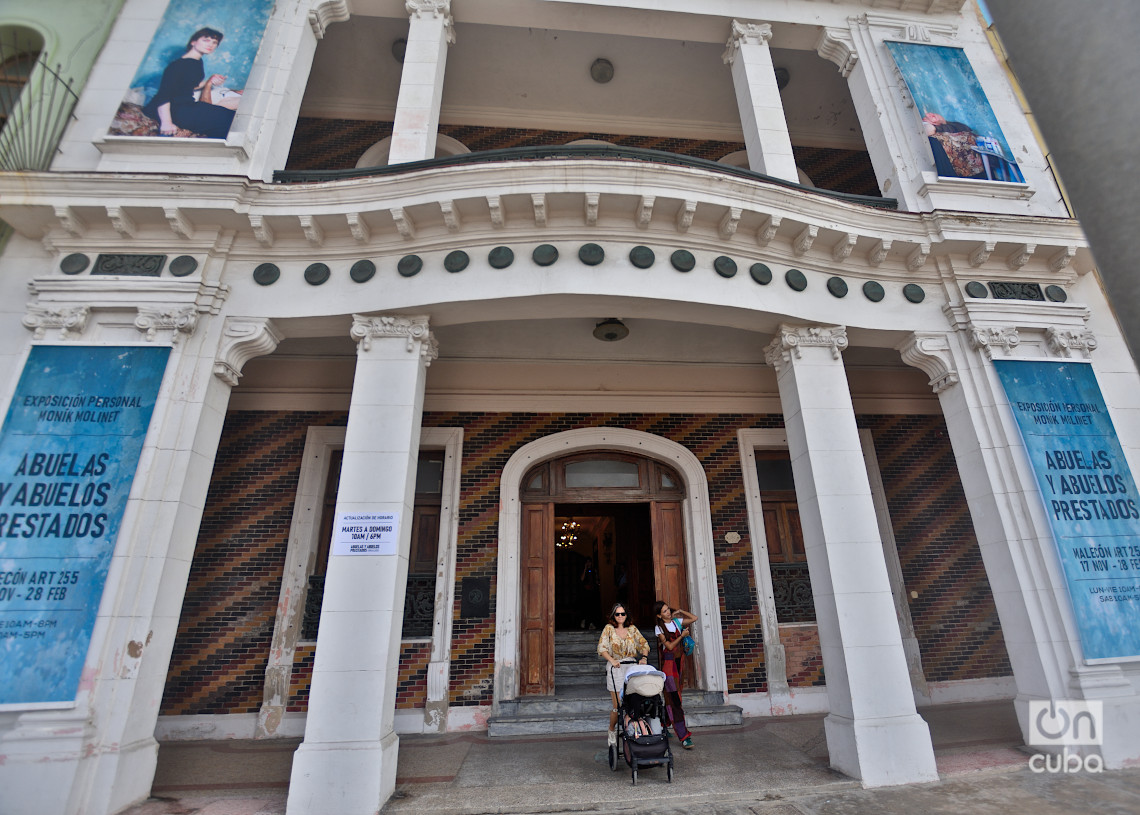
(611, 738)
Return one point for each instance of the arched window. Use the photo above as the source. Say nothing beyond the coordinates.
(19, 50)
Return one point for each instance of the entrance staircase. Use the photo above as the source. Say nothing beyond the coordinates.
(581, 704)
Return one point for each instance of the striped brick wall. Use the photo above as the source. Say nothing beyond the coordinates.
(337, 144)
(223, 639)
(802, 655)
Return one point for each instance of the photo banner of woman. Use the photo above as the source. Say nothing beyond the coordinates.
(964, 136)
(190, 82)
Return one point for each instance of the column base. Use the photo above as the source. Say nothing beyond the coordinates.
(348, 778)
(881, 752)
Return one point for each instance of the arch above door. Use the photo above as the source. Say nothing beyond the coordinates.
(698, 544)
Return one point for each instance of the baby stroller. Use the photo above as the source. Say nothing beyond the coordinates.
(640, 737)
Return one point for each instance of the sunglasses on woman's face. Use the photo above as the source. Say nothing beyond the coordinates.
(619, 613)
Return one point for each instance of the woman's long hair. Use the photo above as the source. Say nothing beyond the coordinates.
(613, 619)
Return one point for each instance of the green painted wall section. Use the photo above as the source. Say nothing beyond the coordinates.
(74, 31)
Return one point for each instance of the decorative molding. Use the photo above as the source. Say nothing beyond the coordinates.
(179, 223)
(908, 29)
(879, 252)
(358, 227)
(838, 46)
(313, 232)
(986, 339)
(450, 215)
(592, 199)
(122, 222)
(261, 230)
(244, 338)
(918, 256)
(1020, 256)
(72, 224)
(327, 13)
(414, 330)
(1061, 260)
(981, 253)
(744, 33)
(1064, 341)
(768, 230)
(729, 223)
(181, 321)
(495, 205)
(930, 353)
(71, 322)
(801, 245)
(791, 339)
(844, 247)
(538, 204)
(404, 223)
(685, 215)
(645, 211)
(418, 9)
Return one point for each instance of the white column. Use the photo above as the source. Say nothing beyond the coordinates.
(758, 99)
(100, 756)
(1014, 536)
(347, 762)
(873, 731)
(430, 32)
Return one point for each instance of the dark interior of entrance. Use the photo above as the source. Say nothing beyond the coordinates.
(603, 554)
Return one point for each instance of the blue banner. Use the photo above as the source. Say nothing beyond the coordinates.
(1089, 494)
(68, 453)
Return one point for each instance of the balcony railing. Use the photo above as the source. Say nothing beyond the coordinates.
(578, 151)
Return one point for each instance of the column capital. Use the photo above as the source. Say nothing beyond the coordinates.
(790, 341)
(746, 31)
(418, 9)
(931, 354)
(244, 338)
(1064, 341)
(987, 338)
(71, 321)
(415, 331)
(838, 46)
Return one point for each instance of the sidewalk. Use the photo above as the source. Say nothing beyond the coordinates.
(766, 767)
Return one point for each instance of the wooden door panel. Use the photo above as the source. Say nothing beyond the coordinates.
(669, 564)
(537, 600)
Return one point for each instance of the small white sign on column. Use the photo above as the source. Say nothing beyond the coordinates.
(366, 534)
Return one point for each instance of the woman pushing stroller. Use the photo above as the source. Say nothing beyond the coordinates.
(619, 641)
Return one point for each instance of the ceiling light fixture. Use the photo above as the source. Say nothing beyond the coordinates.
(611, 330)
(602, 71)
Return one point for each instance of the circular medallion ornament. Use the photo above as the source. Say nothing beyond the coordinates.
(501, 257)
(266, 274)
(914, 293)
(760, 273)
(725, 266)
(544, 255)
(682, 260)
(1056, 294)
(642, 257)
(873, 291)
(591, 254)
(837, 286)
(456, 261)
(976, 289)
(410, 265)
(316, 274)
(362, 271)
(183, 265)
(796, 280)
(74, 264)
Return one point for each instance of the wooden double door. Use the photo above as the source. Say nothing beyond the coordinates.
(645, 502)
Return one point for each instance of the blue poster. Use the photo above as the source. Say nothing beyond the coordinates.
(1089, 493)
(68, 453)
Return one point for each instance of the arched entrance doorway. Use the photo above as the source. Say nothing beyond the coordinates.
(692, 517)
(597, 526)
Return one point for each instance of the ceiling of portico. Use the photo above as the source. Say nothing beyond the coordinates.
(511, 76)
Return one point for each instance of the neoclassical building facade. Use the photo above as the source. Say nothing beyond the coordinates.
(486, 315)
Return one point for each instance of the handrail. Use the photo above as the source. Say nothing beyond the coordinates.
(577, 151)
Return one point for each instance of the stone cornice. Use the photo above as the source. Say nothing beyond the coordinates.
(470, 204)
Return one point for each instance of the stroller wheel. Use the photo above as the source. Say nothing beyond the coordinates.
(669, 773)
(613, 757)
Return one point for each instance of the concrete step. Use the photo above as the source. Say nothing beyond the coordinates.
(563, 713)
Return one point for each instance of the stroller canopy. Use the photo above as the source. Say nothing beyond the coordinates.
(644, 680)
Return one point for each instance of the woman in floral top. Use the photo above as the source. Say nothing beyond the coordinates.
(619, 641)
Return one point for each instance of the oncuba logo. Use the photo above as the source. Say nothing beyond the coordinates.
(1066, 723)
